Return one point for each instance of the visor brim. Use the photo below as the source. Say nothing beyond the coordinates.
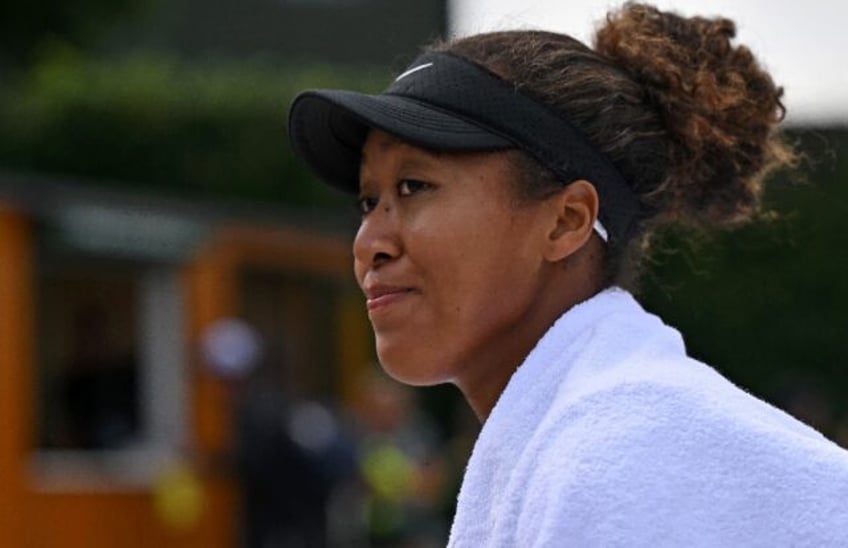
(327, 128)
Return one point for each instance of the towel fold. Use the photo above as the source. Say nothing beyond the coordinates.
(609, 435)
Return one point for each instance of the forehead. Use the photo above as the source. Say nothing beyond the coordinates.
(385, 157)
(378, 143)
(381, 147)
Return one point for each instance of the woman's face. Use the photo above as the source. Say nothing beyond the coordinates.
(450, 262)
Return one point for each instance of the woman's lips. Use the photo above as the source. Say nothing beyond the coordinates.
(382, 296)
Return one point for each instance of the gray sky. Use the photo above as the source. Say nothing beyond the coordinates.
(804, 44)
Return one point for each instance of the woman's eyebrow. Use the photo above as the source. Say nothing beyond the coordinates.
(427, 161)
(413, 158)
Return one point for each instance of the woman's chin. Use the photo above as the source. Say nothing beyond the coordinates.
(411, 369)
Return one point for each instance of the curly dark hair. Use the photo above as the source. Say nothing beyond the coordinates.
(688, 118)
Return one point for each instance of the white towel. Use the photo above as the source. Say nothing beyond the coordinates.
(609, 435)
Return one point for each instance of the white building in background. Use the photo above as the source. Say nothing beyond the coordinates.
(803, 44)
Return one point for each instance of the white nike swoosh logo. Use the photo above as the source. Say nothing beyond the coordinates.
(413, 69)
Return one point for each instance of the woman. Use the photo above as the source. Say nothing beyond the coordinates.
(509, 185)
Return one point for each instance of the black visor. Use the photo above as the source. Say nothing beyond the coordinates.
(446, 103)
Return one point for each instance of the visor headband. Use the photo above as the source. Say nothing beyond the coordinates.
(479, 97)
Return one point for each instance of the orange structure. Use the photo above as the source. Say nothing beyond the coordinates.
(93, 284)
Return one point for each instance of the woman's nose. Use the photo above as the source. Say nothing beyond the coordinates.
(378, 238)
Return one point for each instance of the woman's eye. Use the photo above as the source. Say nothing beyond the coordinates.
(366, 204)
(408, 187)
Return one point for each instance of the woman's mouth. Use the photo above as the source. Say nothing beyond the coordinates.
(378, 297)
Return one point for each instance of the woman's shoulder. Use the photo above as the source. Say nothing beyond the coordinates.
(688, 461)
(679, 405)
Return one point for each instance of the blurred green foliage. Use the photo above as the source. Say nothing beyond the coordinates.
(28, 27)
(215, 130)
(766, 304)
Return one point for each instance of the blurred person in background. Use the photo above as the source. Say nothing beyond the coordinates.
(510, 184)
(290, 454)
(402, 466)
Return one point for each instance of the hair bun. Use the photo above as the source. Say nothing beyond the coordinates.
(719, 107)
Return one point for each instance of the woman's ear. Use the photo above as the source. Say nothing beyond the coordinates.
(575, 208)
